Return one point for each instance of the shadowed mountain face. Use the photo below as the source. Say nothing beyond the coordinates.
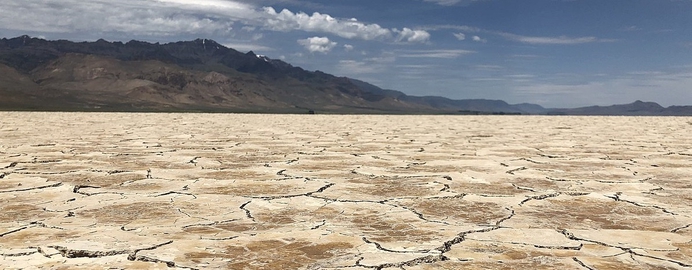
(199, 75)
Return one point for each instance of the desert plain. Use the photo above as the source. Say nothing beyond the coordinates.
(241, 191)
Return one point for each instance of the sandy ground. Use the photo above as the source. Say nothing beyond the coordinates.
(194, 191)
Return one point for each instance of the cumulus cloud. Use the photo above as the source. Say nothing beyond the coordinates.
(459, 36)
(286, 20)
(478, 39)
(348, 47)
(410, 35)
(317, 44)
(176, 17)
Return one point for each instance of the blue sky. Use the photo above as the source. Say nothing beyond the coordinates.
(556, 53)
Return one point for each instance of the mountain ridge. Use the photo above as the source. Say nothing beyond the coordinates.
(203, 75)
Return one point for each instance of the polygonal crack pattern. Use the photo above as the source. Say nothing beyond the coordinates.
(233, 191)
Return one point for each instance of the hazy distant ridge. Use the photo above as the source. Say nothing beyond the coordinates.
(636, 108)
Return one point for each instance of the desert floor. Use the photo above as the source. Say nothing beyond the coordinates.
(192, 191)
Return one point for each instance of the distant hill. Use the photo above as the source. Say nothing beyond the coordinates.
(638, 107)
(198, 75)
(446, 104)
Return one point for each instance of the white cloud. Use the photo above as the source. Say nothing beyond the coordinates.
(386, 57)
(410, 35)
(526, 56)
(317, 44)
(286, 20)
(444, 2)
(435, 53)
(245, 47)
(520, 76)
(324, 23)
(459, 36)
(356, 67)
(563, 40)
(219, 5)
(560, 40)
(128, 17)
(372, 65)
(489, 67)
(478, 39)
(464, 28)
(452, 2)
(348, 47)
(631, 28)
(180, 17)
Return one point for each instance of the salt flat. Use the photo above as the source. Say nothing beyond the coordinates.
(192, 191)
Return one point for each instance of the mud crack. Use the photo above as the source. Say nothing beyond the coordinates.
(176, 193)
(582, 264)
(209, 224)
(447, 246)
(680, 228)
(511, 215)
(19, 254)
(631, 251)
(32, 188)
(539, 197)
(12, 165)
(308, 194)
(617, 198)
(81, 253)
(247, 211)
(516, 170)
(418, 261)
(31, 225)
(380, 247)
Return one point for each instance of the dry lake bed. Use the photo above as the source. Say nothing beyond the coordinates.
(231, 191)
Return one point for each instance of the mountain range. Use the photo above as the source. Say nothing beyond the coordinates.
(205, 76)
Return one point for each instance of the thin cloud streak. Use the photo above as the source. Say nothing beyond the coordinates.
(453, 2)
(434, 53)
(248, 47)
(534, 40)
(561, 40)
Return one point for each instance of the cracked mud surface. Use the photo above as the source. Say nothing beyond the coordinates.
(195, 191)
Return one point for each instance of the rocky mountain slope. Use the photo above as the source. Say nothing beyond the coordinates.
(199, 75)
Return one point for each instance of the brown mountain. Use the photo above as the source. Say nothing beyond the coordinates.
(199, 75)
